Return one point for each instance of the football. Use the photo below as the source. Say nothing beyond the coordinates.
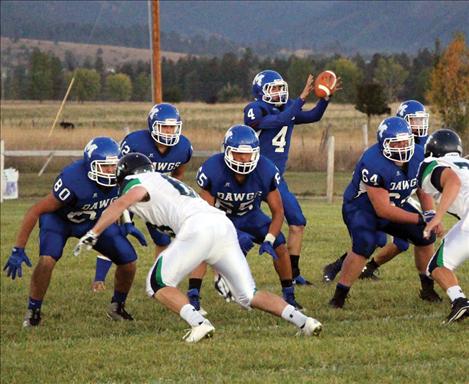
(325, 83)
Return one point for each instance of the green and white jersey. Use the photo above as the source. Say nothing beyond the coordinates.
(171, 201)
(460, 166)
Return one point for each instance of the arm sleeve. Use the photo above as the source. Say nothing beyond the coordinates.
(190, 151)
(372, 176)
(203, 179)
(315, 114)
(63, 190)
(436, 178)
(254, 117)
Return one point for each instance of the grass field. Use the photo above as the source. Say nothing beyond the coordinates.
(386, 334)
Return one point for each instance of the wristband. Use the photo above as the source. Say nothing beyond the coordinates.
(270, 238)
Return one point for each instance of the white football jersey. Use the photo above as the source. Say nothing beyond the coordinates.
(171, 201)
(460, 166)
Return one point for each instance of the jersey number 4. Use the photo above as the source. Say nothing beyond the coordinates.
(279, 140)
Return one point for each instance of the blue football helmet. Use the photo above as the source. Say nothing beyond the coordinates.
(165, 115)
(395, 139)
(99, 153)
(241, 139)
(414, 113)
(263, 84)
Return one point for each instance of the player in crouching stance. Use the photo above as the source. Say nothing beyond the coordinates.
(202, 233)
(237, 181)
(445, 175)
(376, 201)
(80, 194)
(417, 117)
(169, 150)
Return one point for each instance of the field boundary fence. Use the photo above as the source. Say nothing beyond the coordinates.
(49, 154)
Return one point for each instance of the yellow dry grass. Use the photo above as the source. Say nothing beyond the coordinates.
(25, 125)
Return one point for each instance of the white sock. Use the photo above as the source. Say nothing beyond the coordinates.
(191, 315)
(290, 314)
(455, 292)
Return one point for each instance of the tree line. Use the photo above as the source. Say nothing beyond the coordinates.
(426, 77)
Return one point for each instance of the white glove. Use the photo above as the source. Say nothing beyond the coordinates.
(223, 288)
(87, 242)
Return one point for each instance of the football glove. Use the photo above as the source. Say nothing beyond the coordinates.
(13, 264)
(268, 246)
(223, 289)
(87, 242)
(131, 229)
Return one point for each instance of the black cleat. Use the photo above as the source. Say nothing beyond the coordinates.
(337, 302)
(429, 294)
(32, 318)
(459, 310)
(369, 273)
(117, 312)
(331, 270)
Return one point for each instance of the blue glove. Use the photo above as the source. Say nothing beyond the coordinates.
(130, 229)
(267, 247)
(428, 215)
(13, 264)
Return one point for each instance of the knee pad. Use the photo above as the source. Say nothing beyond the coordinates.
(364, 244)
(402, 245)
(381, 239)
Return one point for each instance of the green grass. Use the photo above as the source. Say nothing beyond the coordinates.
(386, 334)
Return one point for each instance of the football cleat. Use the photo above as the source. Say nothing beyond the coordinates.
(369, 273)
(429, 294)
(311, 327)
(459, 310)
(331, 270)
(194, 299)
(300, 280)
(117, 312)
(289, 297)
(32, 318)
(199, 332)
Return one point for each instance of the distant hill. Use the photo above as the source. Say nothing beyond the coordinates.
(13, 51)
(215, 27)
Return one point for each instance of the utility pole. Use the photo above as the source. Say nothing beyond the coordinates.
(154, 25)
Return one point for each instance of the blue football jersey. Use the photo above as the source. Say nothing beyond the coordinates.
(421, 141)
(274, 125)
(142, 142)
(83, 199)
(375, 170)
(232, 197)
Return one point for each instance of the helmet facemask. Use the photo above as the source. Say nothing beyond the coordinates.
(418, 123)
(397, 153)
(102, 176)
(164, 138)
(275, 97)
(241, 167)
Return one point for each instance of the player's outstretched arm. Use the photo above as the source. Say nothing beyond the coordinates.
(115, 210)
(450, 184)
(46, 205)
(207, 196)
(274, 200)
(379, 198)
(18, 255)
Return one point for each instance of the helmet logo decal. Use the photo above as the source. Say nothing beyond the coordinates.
(381, 129)
(153, 112)
(258, 79)
(90, 148)
(402, 109)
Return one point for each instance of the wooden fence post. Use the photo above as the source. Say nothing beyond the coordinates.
(330, 169)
